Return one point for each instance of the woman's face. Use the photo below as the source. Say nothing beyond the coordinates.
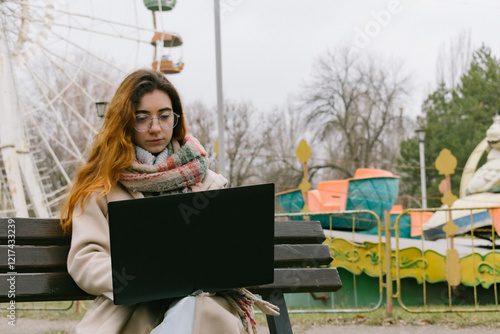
(153, 104)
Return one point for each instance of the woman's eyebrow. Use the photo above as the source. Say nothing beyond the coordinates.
(165, 109)
(148, 112)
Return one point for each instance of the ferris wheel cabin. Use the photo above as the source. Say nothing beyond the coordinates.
(169, 39)
(154, 5)
(164, 59)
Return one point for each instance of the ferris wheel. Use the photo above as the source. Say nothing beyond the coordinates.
(58, 61)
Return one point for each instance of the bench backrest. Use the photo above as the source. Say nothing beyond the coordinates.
(41, 249)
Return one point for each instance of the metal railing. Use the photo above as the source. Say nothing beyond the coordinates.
(473, 269)
(353, 216)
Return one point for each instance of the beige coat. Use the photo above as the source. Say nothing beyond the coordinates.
(89, 263)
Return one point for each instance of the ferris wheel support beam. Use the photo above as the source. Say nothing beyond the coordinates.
(18, 164)
(7, 136)
(32, 183)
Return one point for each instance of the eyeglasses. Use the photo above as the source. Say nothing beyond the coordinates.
(167, 121)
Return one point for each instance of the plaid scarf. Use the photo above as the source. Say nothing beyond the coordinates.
(186, 167)
(177, 167)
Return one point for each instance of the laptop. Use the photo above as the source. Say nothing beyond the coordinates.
(173, 245)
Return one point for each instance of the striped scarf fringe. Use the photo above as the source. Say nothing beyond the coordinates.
(242, 301)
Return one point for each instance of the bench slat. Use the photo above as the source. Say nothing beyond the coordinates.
(34, 231)
(60, 286)
(293, 280)
(39, 231)
(298, 232)
(301, 255)
(35, 258)
(42, 287)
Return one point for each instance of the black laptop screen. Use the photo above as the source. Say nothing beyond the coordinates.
(170, 246)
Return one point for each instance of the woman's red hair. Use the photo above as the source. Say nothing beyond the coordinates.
(113, 150)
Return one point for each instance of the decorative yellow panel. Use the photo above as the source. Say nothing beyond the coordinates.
(419, 266)
(364, 258)
(436, 270)
(357, 258)
(477, 269)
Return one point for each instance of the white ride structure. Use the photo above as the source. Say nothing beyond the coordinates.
(52, 73)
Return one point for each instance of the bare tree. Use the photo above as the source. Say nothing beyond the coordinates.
(354, 103)
(243, 136)
(281, 133)
(201, 123)
(244, 142)
(454, 59)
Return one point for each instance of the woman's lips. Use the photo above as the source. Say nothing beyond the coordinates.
(155, 141)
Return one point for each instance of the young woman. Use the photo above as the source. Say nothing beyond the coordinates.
(143, 150)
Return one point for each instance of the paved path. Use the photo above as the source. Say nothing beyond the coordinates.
(352, 329)
(38, 326)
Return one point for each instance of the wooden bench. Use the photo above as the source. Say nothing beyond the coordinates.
(41, 250)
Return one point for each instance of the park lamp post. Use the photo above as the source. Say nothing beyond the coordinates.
(421, 139)
(220, 98)
(101, 108)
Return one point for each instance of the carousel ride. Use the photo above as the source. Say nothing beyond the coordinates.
(452, 248)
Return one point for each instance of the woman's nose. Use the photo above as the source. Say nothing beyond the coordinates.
(155, 127)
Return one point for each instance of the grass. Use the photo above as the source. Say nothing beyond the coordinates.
(399, 317)
(46, 310)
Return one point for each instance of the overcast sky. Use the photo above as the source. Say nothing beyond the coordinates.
(269, 47)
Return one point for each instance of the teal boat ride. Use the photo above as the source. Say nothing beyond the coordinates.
(370, 189)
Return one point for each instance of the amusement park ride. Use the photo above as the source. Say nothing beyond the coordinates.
(446, 249)
(43, 134)
(377, 190)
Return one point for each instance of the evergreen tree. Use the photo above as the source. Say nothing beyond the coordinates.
(456, 119)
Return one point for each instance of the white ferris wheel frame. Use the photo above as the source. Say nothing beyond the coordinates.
(20, 172)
